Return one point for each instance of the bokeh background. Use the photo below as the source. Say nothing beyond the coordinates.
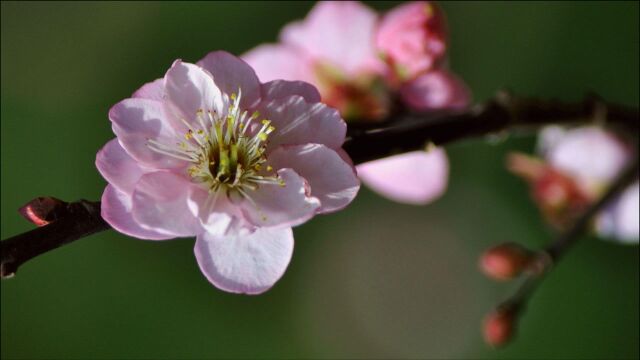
(378, 280)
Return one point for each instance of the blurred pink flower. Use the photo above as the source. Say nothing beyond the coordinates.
(334, 48)
(593, 158)
(209, 151)
(412, 38)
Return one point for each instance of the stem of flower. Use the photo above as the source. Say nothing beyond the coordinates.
(543, 262)
(400, 133)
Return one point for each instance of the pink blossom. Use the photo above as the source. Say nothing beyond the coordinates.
(593, 158)
(209, 151)
(335, 48)
(412, 38)
(436, 89)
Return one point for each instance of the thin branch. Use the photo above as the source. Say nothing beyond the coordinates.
(73, 221)
(543, 262)
(410, 132)
(365, 142)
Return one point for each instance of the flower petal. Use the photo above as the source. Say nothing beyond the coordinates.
(435, 90)
(414, 178)
(116, 210)
(153, 90)
(118, 167)
(621, 219)
(591, 154)
(275, 62)
(332, 180)
(245, 262)
(298, 122)
(281, 89)
(230, 73)
(216, 213)
(340, 32)
(412, 36)
(135, 121)
(276, 205)
(189, 88)
(160, 203)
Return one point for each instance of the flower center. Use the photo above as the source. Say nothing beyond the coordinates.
(226, 153)
(363, 97)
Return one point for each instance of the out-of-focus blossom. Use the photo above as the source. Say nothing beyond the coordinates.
(434, 90)
(578, 166)
(344, 49)
(209, 151)
(333, 48)
(412, 38)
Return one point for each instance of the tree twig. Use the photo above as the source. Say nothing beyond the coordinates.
(365, 142)
(410, 132)
(73, 221)
(544, 260)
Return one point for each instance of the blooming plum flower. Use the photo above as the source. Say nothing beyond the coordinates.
(209, 151)
(578, 166)
(593, 158)
(337, 47)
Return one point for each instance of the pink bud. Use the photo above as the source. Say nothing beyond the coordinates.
(505, 261)
(42, 210)
(559, 196)
(412, 37)
(498, 327)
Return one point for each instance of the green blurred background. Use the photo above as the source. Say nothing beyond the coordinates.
(378, 280)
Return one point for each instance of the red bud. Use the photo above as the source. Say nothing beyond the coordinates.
(43, 210)
(505, 261)
(498, 327)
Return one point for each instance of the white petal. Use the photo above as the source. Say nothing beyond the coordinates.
(245, 262)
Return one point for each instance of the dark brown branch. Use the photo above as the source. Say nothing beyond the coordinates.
(543, 261)
(402, 133)
(73, 221)
(505, 113)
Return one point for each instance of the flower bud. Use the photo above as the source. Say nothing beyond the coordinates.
(412, 37)
(42, 210)
(498, 327)
(505, 261)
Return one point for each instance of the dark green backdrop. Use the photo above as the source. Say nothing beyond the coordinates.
(376, 280)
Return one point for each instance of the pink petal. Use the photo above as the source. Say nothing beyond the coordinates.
(435, 90)
(412, 36)
(231, 73)
(590, 154)
(161, 203)
(414, 178)
(621, 219)
(216, 213)
(276, 62)
(135, 121)
(298, 122)
(339, 32)
(153, 90)
(276, 205)
(116, 210)
(188, 89)
(332, 180)
(245, 262)
(281, 89)
(117, 167)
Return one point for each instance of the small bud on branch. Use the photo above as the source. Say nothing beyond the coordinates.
(505, 261)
